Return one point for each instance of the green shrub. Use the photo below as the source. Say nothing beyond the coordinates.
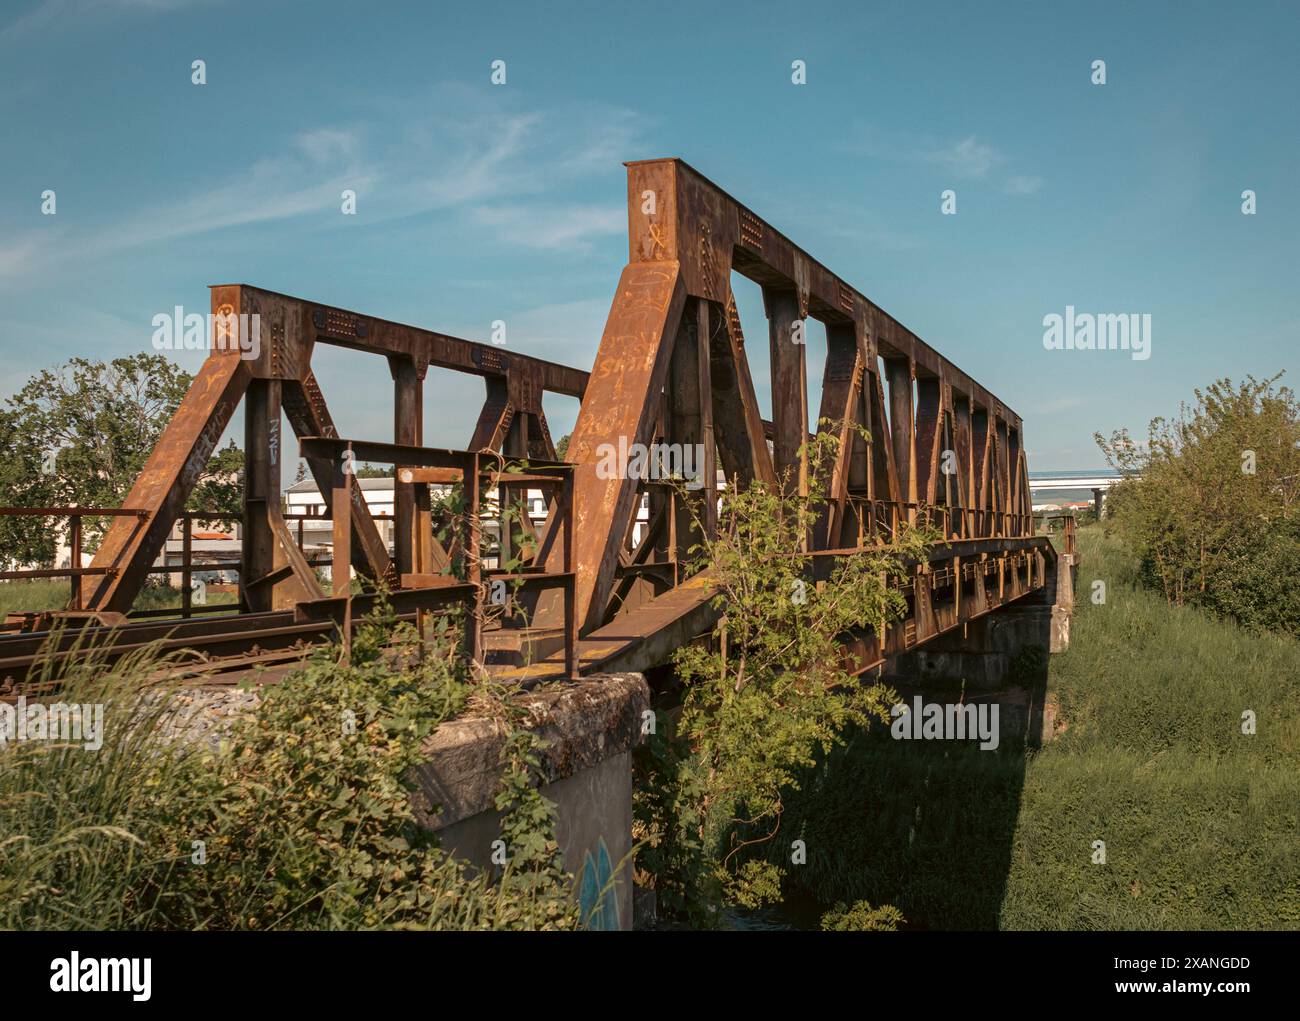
(1256, 586)
(1211, 506)
(301, 818)
(862, 917)
(761, 699)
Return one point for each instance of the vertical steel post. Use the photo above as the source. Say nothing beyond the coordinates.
(74, 529)
(789, 386)
(474, 573)
(408, 396)
(341, 563)
(187, 564)
(570, 587)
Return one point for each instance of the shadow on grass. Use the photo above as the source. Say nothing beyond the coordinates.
(924, 825)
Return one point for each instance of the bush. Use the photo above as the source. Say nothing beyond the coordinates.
(300, 818)
(1256, 586)
(1218, 496)
(862, 917)
(763, 698)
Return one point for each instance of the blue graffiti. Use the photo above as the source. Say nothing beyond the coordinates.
(597, 895)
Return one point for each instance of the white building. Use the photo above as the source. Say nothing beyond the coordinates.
(216, 547)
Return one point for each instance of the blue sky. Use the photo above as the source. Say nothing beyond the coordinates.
(478, 202)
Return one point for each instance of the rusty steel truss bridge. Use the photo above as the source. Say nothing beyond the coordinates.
(671, 369)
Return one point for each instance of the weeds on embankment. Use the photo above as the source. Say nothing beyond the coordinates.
(301, 819)
(1200, 821)
(48, 594)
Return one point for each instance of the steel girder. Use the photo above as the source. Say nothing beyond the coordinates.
(274, 575)
(671, 368)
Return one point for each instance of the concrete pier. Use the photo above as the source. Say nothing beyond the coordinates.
(589, 728)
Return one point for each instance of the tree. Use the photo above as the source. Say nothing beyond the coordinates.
(765, 696)
(1208, 486)
(79, 434)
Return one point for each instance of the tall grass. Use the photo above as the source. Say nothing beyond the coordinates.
(37, 594)
(1201, 823)
(52, 594)
(294, 820)
(77, 827)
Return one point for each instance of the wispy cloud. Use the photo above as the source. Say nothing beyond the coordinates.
(304, 179)
(500, 169)
(1023, 184)
(327, 144)
(969, 158)
(18, 253)
(552, 227)
(50, 14)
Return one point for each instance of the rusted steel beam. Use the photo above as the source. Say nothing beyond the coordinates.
(622, 401)
(306, 321)
(495, 420)
(138, 632)
(900, 375)
(333, 447)
(161, 489)
(740, 429)
(965, 467)
(929, 420)
(472, 641)
(275, 574)
(708, 466)
(408, 429)
(788, 359)
(841, 411)
(697, 224)
(341, 568)
(1002, 477)
(884, 483)
(54, 572)
(308, 415)
(690, 421)
(262, 414)
(564, 513)
(73, 512)
(981, 460)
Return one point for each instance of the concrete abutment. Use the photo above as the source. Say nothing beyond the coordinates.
(589, 728)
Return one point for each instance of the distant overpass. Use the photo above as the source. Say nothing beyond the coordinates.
(1098, 484)
(1102, 482)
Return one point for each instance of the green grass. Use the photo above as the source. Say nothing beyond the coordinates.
(52, 594)
(32, 595)
(1201, 823)
(303, 818)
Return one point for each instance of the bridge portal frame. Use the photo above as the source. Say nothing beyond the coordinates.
(671, 368)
